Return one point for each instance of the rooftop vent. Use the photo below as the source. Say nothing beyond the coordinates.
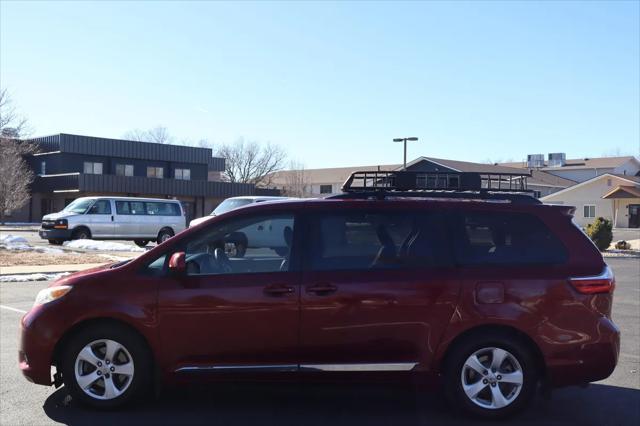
(557, 159)
(535, 161)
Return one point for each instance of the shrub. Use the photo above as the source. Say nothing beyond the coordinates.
(601, 233)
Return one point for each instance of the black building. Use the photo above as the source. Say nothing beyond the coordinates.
(71, 166)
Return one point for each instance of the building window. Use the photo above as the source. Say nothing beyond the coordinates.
(43, 168)
(124, 169)
(537, 194)
(589, 211)
(183, 174)
(326, 189)
(92, 168)
(155, 172)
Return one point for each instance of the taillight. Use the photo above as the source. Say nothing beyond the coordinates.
(603, 283)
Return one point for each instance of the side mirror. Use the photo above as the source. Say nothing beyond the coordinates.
(177, 263)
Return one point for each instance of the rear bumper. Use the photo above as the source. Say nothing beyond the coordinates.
(55, 234)
(586, 362)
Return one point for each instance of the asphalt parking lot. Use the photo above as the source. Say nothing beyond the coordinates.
(614, 401)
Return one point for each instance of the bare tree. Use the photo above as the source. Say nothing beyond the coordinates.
(250, 162)
(296, 181)
(15, 174)
(158, 134)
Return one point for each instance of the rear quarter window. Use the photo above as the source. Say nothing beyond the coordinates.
(504, 238)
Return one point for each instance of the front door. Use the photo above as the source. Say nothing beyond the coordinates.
(634, 215)
(233, 309)
(379, 292)
(100, 218)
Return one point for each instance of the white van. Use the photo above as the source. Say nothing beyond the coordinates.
(233, 203)
(115, 218)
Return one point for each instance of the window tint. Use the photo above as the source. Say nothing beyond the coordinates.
(370, 240)
(250, 245)
(506, 239)
(137, 208)
(162, 209)
(101, 207)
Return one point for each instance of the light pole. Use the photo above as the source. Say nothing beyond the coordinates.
(405, 147)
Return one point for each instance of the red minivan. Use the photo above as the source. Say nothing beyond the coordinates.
(486, 292)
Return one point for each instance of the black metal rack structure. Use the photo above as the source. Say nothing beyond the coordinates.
(507, 187)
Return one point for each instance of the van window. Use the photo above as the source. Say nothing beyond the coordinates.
(101, 207)
(246, 245)
(505, 239)
(162, 209)
(375, 240)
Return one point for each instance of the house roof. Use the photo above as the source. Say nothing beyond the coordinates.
(623, 191)
(340, 174)
(580, 163)
(633, 180)
(467, 166)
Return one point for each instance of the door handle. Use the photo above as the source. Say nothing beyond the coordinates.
(278, 290)
(322, 289)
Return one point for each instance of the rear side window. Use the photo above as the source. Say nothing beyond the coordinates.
(505, 239)
(162, 209)
(376, 240)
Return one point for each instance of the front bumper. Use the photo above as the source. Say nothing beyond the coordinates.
(37, 345)
(55, 234)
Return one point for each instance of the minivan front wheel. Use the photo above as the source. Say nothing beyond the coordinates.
(105, 366)
(81, 234)
(491, 378)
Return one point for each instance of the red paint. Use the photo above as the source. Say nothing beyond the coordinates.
(311, 317)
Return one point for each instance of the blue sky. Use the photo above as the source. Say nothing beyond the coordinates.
(333, 83)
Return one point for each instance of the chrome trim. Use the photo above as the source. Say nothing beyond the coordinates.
(242, 368)
(391, 366)
(606, 274)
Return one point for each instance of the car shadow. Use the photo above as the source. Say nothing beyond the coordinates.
(341, 404)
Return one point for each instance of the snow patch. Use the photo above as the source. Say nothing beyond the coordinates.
(12, 239)
(101, 245)
(31, 277)
(12, 242)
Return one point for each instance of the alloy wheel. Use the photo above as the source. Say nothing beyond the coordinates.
(104, 369)
(492, 378)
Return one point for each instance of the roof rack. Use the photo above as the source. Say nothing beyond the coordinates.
(510, 187)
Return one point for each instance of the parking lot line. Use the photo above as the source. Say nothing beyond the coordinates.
(20, 311)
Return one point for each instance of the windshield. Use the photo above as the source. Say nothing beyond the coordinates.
(230, 204)
(78, 206)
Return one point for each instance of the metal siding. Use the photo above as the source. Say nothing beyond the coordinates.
(131, 149)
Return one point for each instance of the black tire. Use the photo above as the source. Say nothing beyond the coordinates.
(141, 243)
(81, 233)
(139, 384)
(455, 363)
(164, 235)
(56, 242)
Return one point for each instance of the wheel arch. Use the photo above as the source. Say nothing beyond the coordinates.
(76, 328)
(79, 227)
(501, 329)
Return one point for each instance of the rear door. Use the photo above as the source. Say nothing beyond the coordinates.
(378, 289)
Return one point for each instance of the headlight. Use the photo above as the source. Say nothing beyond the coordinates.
(52, 293)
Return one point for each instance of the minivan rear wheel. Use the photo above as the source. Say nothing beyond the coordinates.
(106, 366)
(490, 376)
